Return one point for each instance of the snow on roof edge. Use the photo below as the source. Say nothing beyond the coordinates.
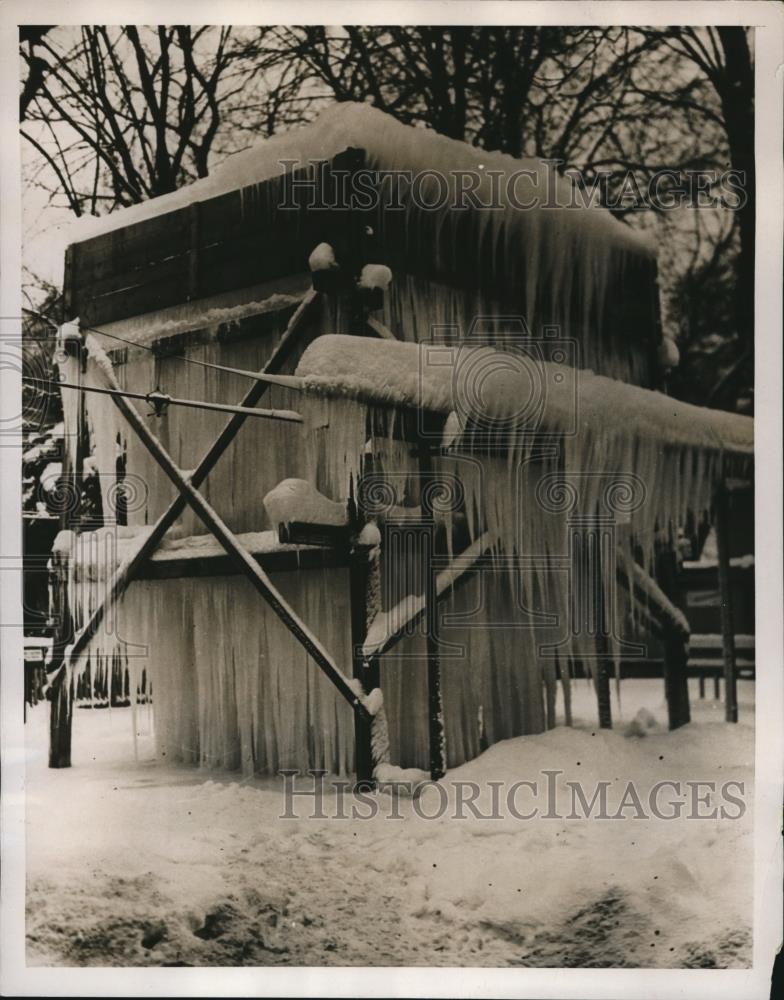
(390, 145)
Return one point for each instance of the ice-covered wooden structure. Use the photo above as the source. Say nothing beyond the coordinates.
(439, 500)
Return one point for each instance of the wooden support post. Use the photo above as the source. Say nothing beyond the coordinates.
(435, 702)
(676, 687)
(592, 547)
(361, 568)
(60, 721)
(60, 709)
(676, 654)
(603, 682)
(660, 614)
(727, 623)
(61, 690)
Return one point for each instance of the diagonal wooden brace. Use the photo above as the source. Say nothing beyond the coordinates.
(128, 571)
(242, 559)
(387, 630)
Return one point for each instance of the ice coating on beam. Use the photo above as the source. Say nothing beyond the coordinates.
(226, 308)
(401, 374)
(620, 437)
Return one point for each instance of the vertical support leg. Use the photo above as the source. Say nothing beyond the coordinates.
(676, 656)
(598, 557)
(702, 685)
(676, 680)
(603, 683)
(435, 703)
(717, 688)
(60, 718)
(360, 571)
(727, 623)
(61, 713)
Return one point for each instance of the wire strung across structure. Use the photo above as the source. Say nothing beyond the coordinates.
(159, 400)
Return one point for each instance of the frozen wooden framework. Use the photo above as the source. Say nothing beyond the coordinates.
(240, 237)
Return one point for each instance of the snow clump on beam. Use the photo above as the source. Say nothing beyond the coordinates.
(296, 500)
(375, 276)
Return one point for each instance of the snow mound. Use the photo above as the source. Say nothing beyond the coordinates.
(642, 724)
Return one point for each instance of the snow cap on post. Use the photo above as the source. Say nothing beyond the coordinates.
(322, 258)
(324, 269)
(374, 280)
(69, 331)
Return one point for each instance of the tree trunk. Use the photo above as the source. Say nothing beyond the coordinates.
(736, 91)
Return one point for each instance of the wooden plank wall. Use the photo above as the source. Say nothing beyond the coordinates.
(232, 241)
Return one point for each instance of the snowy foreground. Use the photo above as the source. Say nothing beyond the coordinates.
(139, 863)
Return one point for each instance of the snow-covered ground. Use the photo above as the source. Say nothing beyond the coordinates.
(141, 863)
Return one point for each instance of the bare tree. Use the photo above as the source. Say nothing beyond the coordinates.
(119, 115)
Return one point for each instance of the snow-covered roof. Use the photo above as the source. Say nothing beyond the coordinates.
(488, 384)
(392, 146)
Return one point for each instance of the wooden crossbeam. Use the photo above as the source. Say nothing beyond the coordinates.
(287, 381)
(334, 536)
